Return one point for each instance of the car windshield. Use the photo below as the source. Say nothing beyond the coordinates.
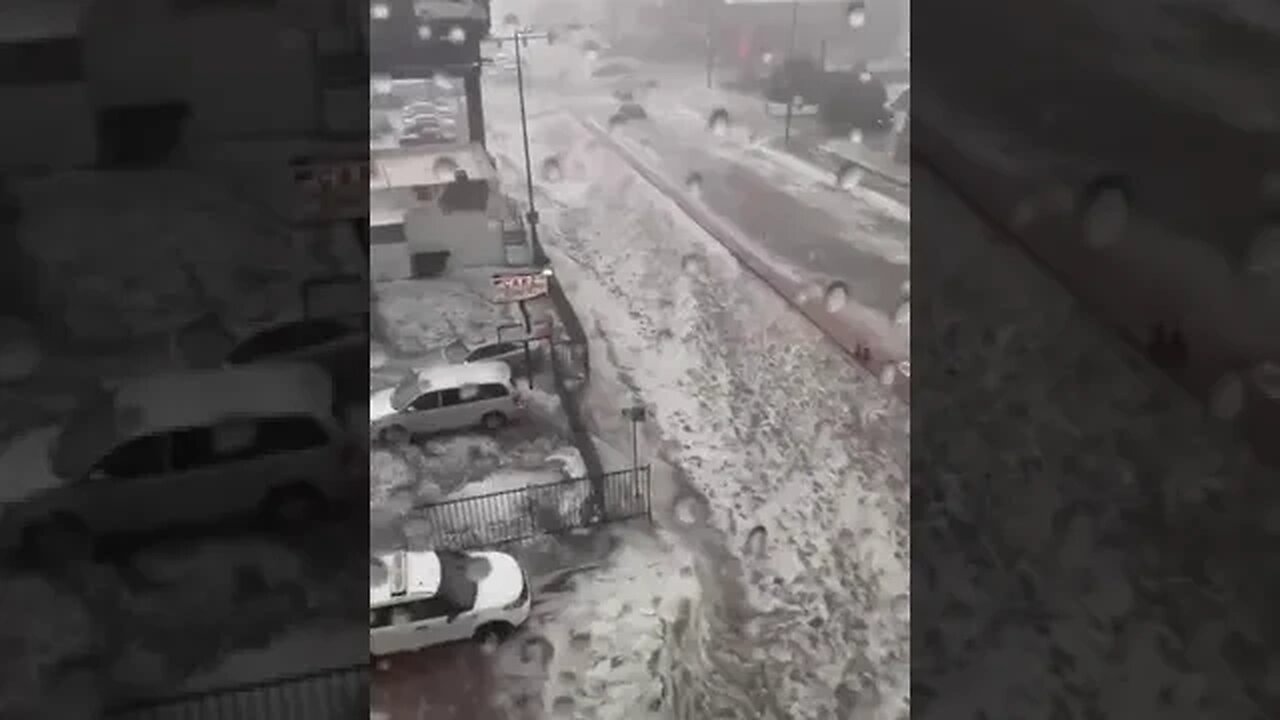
(456, 579)
(288, 338)
(406, 391)
(488, 351)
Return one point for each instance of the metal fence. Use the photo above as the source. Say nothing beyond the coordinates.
(335, 694)
(515, 515)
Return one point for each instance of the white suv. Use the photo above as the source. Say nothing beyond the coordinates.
(433, 597)
(178, 449)
(445, 398)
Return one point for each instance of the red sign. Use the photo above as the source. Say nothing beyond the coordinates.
(514, 287)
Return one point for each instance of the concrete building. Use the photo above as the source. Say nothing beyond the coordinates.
(424, 219)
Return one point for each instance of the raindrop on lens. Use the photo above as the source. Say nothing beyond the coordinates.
(849, 176)
(592, 56)
(864, 76)
(809, 293)
(1105, 207)
(718, 121)
(693, 183)
(380, 11)
(902, 317)
(856, 14)
(551, 170)
(687, 511)
(424, 32)
(1226, 399)
(855, 136)
(444, 169)
(836, 296)
(888, 374)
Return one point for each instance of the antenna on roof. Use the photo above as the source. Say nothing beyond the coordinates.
(399, 581)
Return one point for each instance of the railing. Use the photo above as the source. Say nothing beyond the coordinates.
(516, 515)
(335, 694)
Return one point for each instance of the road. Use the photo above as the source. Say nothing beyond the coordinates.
(790, 209)
(769, 425)
(1194, 209)
(1022, 70)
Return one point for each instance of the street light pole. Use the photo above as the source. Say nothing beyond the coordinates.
(711, 44)
(790, 60)
(532, 217)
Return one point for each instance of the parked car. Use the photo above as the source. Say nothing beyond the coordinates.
(504, 351)
(431, 598)
(445, 398)
(179, 449)
(337, 344)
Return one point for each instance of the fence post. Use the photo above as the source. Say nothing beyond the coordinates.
(648, 493)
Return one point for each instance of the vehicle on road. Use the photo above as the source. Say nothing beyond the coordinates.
(181, 449)
(445, 398)
(430, 598)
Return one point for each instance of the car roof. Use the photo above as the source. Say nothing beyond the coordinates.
(453, 376)
(416, 572)
(192, 398)
(284, 337)
(185, 399)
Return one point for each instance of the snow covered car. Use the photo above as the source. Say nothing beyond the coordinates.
(180, 449)
(430, 598)
(337, 344)
(445, 398)
(505, 351)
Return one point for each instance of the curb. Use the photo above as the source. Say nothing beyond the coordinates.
(942, 156)
(861, 344)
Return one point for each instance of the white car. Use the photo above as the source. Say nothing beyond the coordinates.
(505, 351)
(179, 449)
(429, 598)
(445, 398)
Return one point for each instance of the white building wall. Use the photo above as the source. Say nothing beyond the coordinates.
(473, 239)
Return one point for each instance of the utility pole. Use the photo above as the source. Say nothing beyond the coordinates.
(789, 62)
(711, 43)
(519, 38)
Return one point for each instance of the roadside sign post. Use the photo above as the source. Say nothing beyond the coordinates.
(636, 414)
(520, 288)
(528, 355)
